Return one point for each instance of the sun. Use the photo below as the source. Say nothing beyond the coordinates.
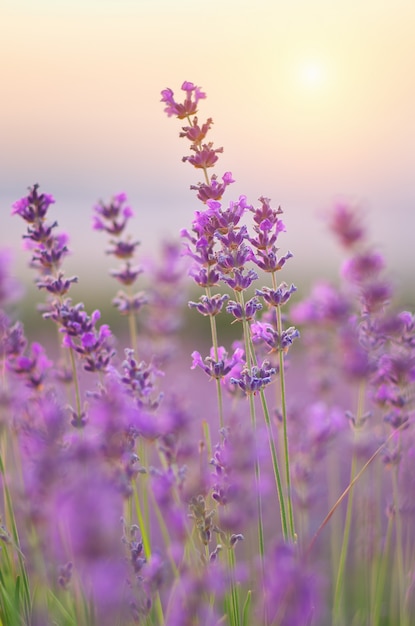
(312, 75)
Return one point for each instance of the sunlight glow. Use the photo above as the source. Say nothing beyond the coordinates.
(312, 74)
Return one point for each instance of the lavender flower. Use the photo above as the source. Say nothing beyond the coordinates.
(221, 367)
(271, 337)
(253, 380)
(210, 306)
(291, 591)
(188, 107)
(244, 312)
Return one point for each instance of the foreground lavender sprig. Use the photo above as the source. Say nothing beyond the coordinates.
(221, 249)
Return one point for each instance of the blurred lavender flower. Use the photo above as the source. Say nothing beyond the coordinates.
(233, 480)
(291, 591)
(10, 290)
(112, 217)
(33, 368)
(87, 525)
(93, 345)
(167, 294)
(345, 222)
(48, 249)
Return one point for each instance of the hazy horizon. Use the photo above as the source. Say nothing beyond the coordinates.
(311, 101)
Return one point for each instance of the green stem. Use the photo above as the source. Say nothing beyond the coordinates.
(234, 590)
(215, 344)
(403, 617)
(275, 466)
(348, 489)
(378, 596)
(76, 384)
(258, 484)
(133, 330)
(293, 535)
(338, 594)
(273, 449)
(147, 551)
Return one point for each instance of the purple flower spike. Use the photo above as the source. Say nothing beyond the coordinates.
(58, 286)
(215, 190)
(95, 348)
(363, 267)
(49, 255)
(112, 217)
(240, 280)
(325, 305)
(247, 312)
(196, 133)
(220, 368)
(227, 261)
(188, 107)
(34, 368)
(127, 275)
(269, 261)
(33, 208)
(269, 335)
(204, 157)
(345, 223)
(123, 249)
(291, 592)
(266, 212)
(210, 306)
(276, 297)
(233, 238)
(127, 304)
(204, 277)
(12, 338)
(9, 288)
(255, 379)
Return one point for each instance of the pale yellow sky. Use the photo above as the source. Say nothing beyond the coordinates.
(311, 99)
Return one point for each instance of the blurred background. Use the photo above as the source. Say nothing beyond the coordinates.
(311, 100)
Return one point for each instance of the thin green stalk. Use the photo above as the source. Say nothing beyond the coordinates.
(246, 609)
(76, 384)
(143, 456)
(274, 454)
(379, 592)
(334, 484)
(400, 561)
(234, 588)
(11, 520)
(275, 466)
(143, 526)
(338, 593)
(248, 356)
(293, 535)
(147, 550)
(133, 330)
(215, 344)
(348, 489)
(258, 484)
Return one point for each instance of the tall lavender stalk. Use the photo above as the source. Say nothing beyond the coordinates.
(222, 249)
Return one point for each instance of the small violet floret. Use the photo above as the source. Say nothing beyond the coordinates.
(220, 367)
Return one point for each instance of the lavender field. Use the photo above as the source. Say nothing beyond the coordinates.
(240, 456)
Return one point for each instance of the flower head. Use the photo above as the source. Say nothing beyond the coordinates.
(188, 106)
